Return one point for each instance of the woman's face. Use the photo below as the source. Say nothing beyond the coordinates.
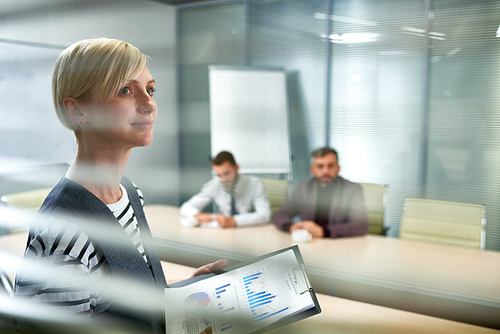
(127, 120)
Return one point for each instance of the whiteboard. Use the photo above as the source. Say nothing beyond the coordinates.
(249, 117)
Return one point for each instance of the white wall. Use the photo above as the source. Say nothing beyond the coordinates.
(148, 25)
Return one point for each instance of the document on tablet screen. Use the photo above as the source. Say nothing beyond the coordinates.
(244, 300)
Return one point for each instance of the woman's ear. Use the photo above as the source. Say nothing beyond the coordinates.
(72, 107)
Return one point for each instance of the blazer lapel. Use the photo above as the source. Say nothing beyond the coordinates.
(310, 200)
(146, 236)
(100, 223)
(336, 204)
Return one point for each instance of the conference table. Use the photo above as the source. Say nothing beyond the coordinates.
(339, 315)
(442, 281)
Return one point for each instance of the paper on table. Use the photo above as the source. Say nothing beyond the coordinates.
(212, 224)
(243, 300)
(191, 222)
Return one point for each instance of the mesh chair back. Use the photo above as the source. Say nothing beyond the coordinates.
(25, 204)
(375, 202)
(277, 192)
(32, 199)
(449, 223)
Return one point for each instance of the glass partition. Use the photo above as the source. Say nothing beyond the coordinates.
(407, 91)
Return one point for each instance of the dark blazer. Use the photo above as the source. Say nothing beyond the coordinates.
(69, 200)
(347, 215)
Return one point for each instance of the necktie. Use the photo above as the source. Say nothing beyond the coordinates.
(233, 204)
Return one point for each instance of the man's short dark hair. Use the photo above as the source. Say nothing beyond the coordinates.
(223, 157)
(321, 152)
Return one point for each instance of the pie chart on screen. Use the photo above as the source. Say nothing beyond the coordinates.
(197, 299)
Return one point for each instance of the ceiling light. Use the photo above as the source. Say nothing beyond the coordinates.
(413, 30)
(345, 19)
(423, 33)
(352, 38)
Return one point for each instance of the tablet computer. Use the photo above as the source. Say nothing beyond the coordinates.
(252, 297)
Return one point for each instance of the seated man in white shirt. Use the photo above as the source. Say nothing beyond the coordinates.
(240, 199)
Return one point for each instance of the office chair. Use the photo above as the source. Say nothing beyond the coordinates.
(32, 199)
(25, 204)
(375, 202)
(448, 223)
(277, 192)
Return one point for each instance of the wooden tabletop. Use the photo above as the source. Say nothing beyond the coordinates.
(343, 316)
(443, 281)
(339, 315)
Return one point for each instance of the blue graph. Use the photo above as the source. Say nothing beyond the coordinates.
(226, 302)
(259, 300)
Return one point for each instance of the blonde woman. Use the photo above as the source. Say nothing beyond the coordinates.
(92, 223)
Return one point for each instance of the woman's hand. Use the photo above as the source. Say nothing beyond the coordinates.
(208, 268)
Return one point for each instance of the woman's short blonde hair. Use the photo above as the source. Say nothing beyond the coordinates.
(93, 71)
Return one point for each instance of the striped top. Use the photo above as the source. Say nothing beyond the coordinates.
(123, 211)
(66, 246)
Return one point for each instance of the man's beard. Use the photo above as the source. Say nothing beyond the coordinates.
(326, 179)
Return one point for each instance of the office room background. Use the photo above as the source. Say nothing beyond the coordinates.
(408, 91)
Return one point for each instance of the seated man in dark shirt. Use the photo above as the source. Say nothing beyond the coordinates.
(328, 205)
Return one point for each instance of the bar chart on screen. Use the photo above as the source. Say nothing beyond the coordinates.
(245, 299)
(259, 293)
(259, 300)
(227, 304)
